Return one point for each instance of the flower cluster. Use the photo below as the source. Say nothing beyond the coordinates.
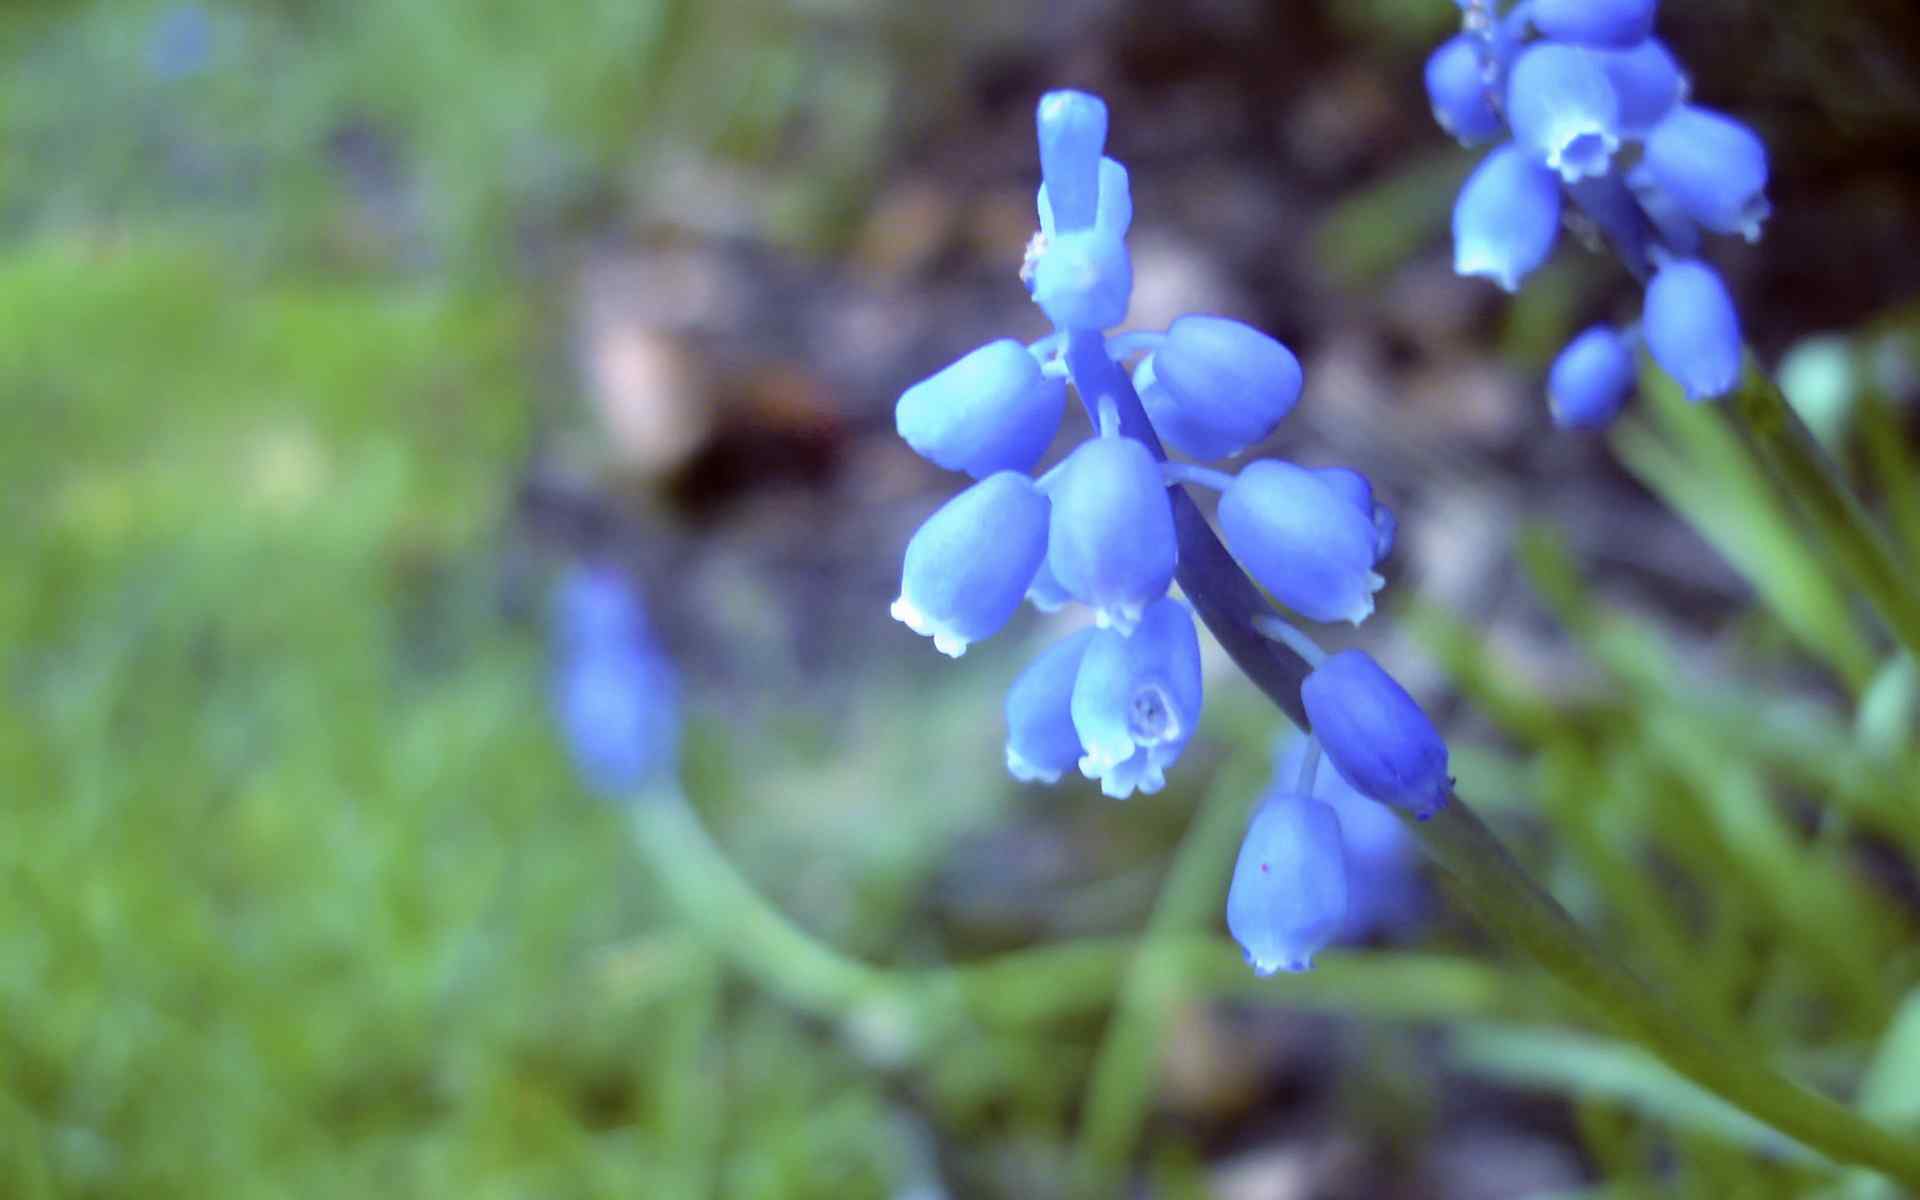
(1119, 700)
(1586, 103)
(615, 694)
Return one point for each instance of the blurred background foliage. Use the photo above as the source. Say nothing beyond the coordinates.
(328, 330)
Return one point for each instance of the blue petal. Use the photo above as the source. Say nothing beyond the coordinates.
(1563, 110)
(1691, 328)
(1114, 212)
(1457, 86)
(1505, 218)
(1084, 279)
(1289, 891)
(1646, 80)
(991, 411)
(1713, 167)
(1072, 128)
(1137, 699)
(1112, 542)
(968, 567)
(1590, 379)
(1041, 741)
(1375, 735)
(1610, 23)
(1217, 386)
(1383, 884)
(1301, 540)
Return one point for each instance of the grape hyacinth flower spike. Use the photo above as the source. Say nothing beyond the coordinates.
(1598, 112)
(1099, 528)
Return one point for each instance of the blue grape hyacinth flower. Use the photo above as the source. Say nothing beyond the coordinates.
(1375, 735)
(615, 694)
(1215, 386)
(970, 565)
(1136, 700)
(993, 410)
(1111, 541)
(1309, 539)
(1384, 890)
(1288, 898)
(1590, 379)
(1598, 111)
(1692, 329)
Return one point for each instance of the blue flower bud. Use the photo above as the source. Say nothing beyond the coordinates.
(1590, 379)
(1358, 492)
(1114, 210)
(1457, 88)
(1691, 328)
(1136, 700)
(1289, 891)
(1083, 279)
(1072, 128)
(1111, 543)
(1375, 735)
(1563, 110)
(971, 562)
(1302, 540)
(1217, 386)
(1713, 167)
(991, 411)
(1042, 743)
(1505, 218)
(1383, 884)
(615, 695)
(1611, 23)
(1646, 80)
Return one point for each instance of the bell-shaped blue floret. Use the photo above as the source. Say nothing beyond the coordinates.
(1289, 891)
(1563, 110)
(1112, 543)
(1612, 23)
(1646, 80)
(1713, 167)
(1691, 328)
(1041, 741)
(1375, 735)
(1216, 386)
(1359, 493)
(1302, 540)
(993, 410)
(1084, 279)
(1114, 210)
(1590, 379)
(1072, 129)
(968, 567)
(1136, 700)
(615, 695)
(1505, 218)
(1457, 88)
(1383, 884)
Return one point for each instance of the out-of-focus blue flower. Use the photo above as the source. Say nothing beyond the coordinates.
(993, 410)
(1646, 80)
(1114, 209)
(1083, 279)
(1691, 328)
(1042, 743)
(1611, 23)
(1563, 111)
(1072, 129)
(1303, 539)
(615, 695)
(1713, 167)
(1457, 88)
(1136, 700)
(1289, 891)
(1112, 542)
(1375, 735)
(1384, 892)
(1505, 218)
(1590, 379)
(1216, 386)
(969, 565)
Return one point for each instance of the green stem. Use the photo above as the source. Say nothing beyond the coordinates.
(1507, 900)
(1805, 473)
